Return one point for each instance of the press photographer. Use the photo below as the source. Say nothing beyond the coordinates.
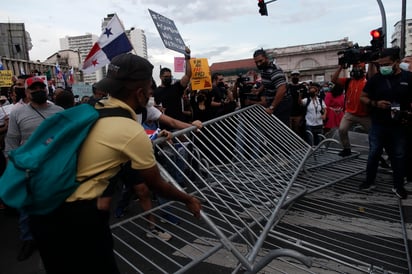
(245, 83)
(388, 96)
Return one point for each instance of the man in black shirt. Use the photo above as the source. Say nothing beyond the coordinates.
(388, 94)
(169, 95)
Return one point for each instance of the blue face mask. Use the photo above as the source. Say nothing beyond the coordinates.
(404, 66)
(386, 70)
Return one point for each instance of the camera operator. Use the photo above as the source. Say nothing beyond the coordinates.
(245, 84)
(388, 95)
(298, 91)
(355, 111)
(222, 99)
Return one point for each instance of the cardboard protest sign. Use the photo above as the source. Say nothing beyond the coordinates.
(168, 32)
(200, 74)
(5, 78)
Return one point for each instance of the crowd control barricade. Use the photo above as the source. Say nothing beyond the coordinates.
(245, 168)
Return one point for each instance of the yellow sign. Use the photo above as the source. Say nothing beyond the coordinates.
(5, 78)
(200, 74)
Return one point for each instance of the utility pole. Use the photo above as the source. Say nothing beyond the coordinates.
(403, 29)
(383, 15)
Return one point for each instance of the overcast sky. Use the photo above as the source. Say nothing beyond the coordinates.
(220, 30)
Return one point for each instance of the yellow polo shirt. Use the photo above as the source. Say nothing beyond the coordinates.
(111, 142)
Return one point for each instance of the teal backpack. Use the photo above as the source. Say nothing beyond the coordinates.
(41, 174)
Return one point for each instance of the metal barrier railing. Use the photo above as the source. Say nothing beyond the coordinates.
(247, 168)
(242, 166)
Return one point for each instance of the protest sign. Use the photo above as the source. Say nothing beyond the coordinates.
(200, 74)
(5, 78)
(168, 32)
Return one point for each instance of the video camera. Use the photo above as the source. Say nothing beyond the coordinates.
(356, 54)
(245, 82)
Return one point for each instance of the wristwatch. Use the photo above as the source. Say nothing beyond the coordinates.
(271, 107)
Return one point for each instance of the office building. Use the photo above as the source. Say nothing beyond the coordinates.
(396, 36)
(15, 41)
(82, 44)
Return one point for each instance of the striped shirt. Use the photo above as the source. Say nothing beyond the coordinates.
(272, 77)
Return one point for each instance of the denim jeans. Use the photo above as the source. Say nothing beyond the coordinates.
(316, 131)
(25, 234)
(392, 138)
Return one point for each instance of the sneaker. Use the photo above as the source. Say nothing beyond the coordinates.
(367, 186)
(400, 192)
(156, 233)
(345, 152)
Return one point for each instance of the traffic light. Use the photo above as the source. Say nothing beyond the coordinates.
(262, 8)
(378, 38)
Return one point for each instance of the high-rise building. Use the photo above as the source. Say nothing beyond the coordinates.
(82, 44)
(138, 39)
(396, 36)
(15, 41)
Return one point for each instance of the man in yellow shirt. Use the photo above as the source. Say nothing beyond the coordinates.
(76, 238)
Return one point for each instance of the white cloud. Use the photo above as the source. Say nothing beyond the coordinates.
(218, 30)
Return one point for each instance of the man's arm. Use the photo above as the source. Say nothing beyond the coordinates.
(13, 135)
(372, 70)
(335, 76)
(156, 183)
(177, 124)
(383, 104)
(280, 93)
(188, 70)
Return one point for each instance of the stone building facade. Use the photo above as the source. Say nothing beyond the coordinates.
(316, 62)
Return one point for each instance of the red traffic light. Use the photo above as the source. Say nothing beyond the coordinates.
(262, 8)
(376, 34)
(378, 38)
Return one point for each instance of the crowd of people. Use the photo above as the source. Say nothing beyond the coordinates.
(379, 101)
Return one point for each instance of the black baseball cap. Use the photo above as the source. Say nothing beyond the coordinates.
(124, 71)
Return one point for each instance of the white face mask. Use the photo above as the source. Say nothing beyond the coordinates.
(404, 66)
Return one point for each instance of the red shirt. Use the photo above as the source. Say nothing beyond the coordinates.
(353, 104)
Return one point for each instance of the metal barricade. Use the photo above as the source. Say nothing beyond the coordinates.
(248, 169)
(242, 166)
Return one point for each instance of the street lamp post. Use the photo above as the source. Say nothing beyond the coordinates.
(383, 15)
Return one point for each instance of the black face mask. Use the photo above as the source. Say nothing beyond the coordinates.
(221, 85)
(39, 97)
(167, 81)
(312, 94)
(262, 67)
(295, 80)
(357, 73)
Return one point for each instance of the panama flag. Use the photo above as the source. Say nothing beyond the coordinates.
(112, 42)
(71, 76)
(58, 71)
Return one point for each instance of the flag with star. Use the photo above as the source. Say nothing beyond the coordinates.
(112, 42)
